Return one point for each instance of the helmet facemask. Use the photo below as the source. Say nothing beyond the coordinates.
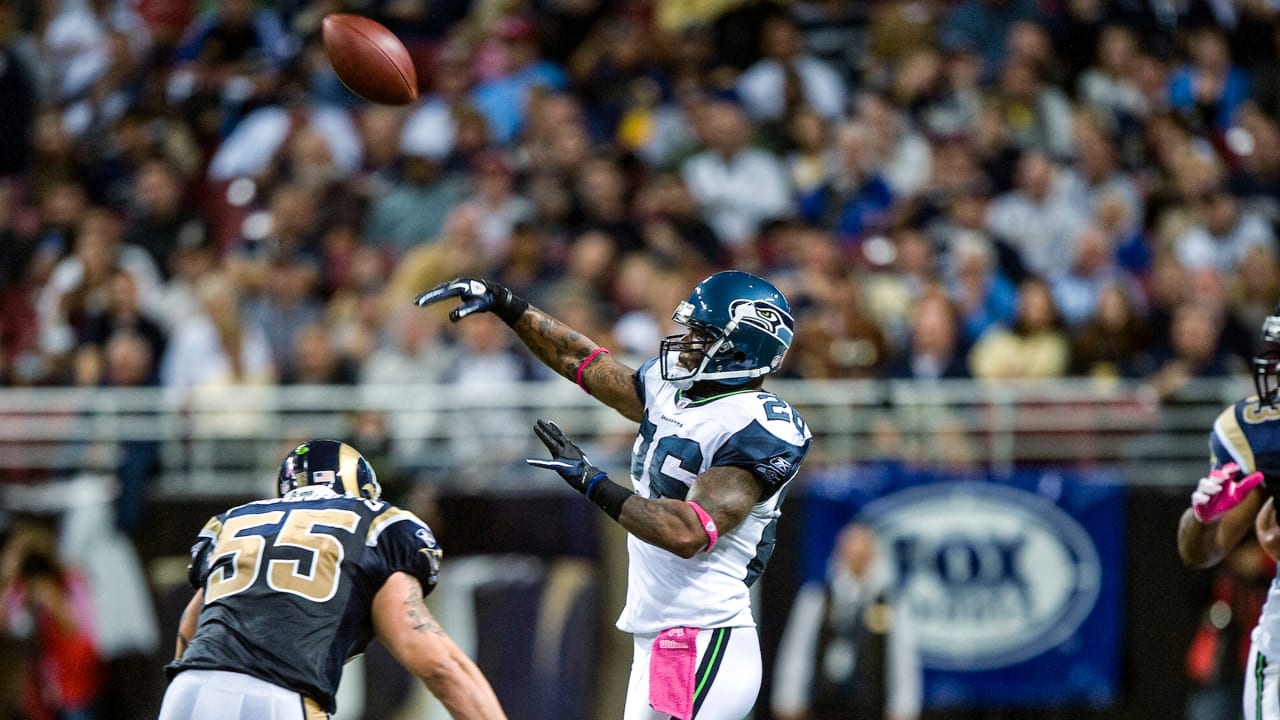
(1266, 364)
(688, 359)
(685, 357)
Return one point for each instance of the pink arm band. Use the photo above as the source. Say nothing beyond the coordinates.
(707, 524)
(577, 376)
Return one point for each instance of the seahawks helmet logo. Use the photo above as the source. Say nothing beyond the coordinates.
(765, 316)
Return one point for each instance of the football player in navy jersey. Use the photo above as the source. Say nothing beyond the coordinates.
(1238, 493)
(711, 463)
(288, 589)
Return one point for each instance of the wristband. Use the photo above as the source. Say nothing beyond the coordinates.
(511, 308)
(607, 495)
(577, 375)
(707, 524)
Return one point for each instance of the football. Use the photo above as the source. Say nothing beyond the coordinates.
(369, 59)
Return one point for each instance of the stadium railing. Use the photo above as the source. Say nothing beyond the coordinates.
(227, 441)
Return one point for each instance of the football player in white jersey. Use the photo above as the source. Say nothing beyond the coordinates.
(1239, 493)
(710, 466)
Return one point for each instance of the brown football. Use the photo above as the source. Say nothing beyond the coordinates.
(369, 59)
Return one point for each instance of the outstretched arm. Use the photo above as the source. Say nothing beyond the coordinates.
(408, 629)
(561, 348)
(564, 350)
(718, 500)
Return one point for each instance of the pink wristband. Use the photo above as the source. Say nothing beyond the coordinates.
(707, 524)
(577, 376)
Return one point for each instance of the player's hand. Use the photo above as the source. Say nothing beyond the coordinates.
(477, 295)
(1222, 490)
(566, 458)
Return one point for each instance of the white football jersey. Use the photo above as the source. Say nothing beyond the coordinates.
(680, 439)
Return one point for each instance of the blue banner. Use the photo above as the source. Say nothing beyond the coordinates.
(1014, 582)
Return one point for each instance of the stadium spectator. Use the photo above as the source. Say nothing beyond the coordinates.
(1223, 233)
(855, 200)
(907, 158)
(130, 362)
(499, 206)
(787, 77)
(934, 345)
(1037, 113)
(161, 220)
(77, 286)
(225, 639)
(1040, 216)
(286, 305)
(456, 250)
(1210, 88)
(738, 186)
(670, 224)
(216, 347)
(614, 72)
(1100, 177)
(1191, 350)
(983, 26)
(1093, 268)
(982, 293)
(317, 359)
(53, 601)
(1034, 345)
(228, 59)
(77, 44)
(415, 206)
(260, 145)
(121, 311)
(1113, 340)
(504, 99)
(1108, 87)
(849, 648)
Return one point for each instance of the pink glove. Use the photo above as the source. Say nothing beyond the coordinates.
(1221, 491)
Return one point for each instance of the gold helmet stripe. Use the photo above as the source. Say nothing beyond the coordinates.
(348, 466)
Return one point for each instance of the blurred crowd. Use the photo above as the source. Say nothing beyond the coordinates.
(189, 197)
(191, 200)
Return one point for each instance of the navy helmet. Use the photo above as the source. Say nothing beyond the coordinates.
(743, 327)
(335, 465)
(1266, 363)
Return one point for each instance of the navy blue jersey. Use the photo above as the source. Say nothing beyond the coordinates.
(289, 585)
(1248, 434)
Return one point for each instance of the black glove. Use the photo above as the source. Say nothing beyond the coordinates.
(477, 296)
(566, 459)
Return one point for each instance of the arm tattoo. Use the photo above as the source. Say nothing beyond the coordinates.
(610, 377)
(422, 620)
(558, 346)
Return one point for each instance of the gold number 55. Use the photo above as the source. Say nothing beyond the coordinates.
(246, 553)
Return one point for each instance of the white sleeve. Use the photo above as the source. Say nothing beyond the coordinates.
(793, 670)
(904, 691)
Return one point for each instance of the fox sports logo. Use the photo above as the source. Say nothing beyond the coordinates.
(991, 575)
